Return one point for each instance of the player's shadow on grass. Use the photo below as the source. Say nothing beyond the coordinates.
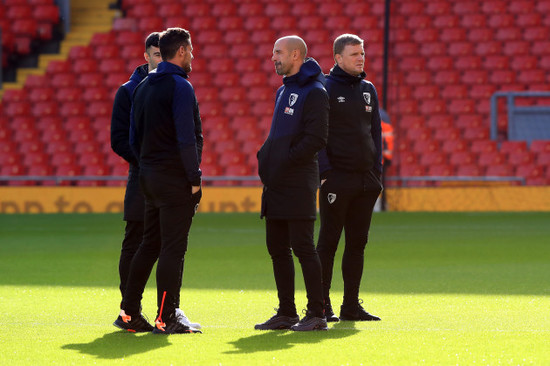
(280, 339)
(120, 344)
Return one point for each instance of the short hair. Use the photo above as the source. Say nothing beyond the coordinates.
(171, 40)
(152, 40)
(343, 40)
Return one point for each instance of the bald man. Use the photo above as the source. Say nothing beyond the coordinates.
(287, 164)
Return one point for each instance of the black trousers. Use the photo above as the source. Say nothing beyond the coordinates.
(133, 235)
(169, 210)
(282, 238)
(346, 202)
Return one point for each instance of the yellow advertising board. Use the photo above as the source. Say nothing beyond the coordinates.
(111, 199)
(248, 199)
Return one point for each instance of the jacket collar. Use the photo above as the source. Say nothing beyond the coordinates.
(309, 72)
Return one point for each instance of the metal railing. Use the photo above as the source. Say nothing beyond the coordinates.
(521, 114)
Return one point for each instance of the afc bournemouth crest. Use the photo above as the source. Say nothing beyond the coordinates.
(292, 99)
(331, 197)
(366, 96)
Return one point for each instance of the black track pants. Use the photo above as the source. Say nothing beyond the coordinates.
(346, 202)
(132, 239)
(169, 210)
(284, 237)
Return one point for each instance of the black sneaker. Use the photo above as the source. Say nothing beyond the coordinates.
(355, 312)
(173, 325)
(310, 322)
(135, 325)
(329, 313)
(278, 321)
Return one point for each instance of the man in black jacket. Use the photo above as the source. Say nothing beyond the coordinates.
(134, 202)
(287, 164)
(166, 136)
(350, 169)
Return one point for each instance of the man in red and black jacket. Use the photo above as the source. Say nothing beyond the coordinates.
(350, 169)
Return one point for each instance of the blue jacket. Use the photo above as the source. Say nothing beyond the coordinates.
(287, 161)
(166, 129)
(355, 132)
(134, 203)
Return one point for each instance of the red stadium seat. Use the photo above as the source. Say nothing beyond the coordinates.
(473, 19)
(452, 91)
(24, 27)
(469, 170)
(433, 158)
(274, 9)
(516, 48)
(19, 12)
(483, 146)
(496, 62)
(499, 170)
(437, 121)
(521, 158)
(90, 80)
(172, 8)
(283, 23)
(441, 170)
(233, 94)
(257, 23)
(72, 109)
(531, 171)
(80, 52)
(63, 158)
(509, 34)
(440, 63)
(14, 109)
(224, 9)
(488, 48)
(476, 133)
(64, 80)
(452, 35)
(14, 95)
(462, 158)
(491, 158)
(40, 94)
(479, 77)
(461, 106)
(540, 146)
(58, 66)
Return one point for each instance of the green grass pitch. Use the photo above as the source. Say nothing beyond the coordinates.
(451, 288)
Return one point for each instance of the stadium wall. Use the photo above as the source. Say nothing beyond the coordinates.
(247, 199)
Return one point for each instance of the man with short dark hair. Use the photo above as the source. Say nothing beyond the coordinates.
(166, 136)
(350, 169)
(134, 203)
(287, 164)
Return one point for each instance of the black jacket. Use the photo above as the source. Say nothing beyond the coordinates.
(355, 133)
(166, 128)
(134, 205)
(287, 161)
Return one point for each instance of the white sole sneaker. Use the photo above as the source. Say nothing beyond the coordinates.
(181, 315)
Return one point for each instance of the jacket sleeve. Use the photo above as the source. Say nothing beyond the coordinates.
(183, 109)
(324, 164)
(376, 132)
(315, 126)
(120, 126)
(198, 130)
